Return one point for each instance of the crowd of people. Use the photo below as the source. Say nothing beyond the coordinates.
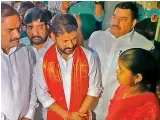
(57, 63)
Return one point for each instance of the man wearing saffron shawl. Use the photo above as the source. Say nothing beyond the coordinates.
(68, 77)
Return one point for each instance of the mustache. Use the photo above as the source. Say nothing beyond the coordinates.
(15, 39)
(39, 37)
(70, 48)
(116, 26)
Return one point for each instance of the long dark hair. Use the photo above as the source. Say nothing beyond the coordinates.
(141, 61)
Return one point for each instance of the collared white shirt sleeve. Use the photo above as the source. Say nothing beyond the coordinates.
(41, 86)
(95, 82)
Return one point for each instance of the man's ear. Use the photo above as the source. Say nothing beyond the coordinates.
(134, 23)
(48, 27)
(138, 78)
(53, 37)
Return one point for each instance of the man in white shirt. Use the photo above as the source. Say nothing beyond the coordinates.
(18, 98)
(37, 22)
(110, 43)
(68, 79)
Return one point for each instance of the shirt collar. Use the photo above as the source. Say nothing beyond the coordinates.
(12, 50)
(48, 42)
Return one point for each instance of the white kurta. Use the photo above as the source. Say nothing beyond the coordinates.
(18, 98)
(66, 69)
(108, 49)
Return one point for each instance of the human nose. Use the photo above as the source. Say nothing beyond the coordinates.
(16, 33)
(34, 31)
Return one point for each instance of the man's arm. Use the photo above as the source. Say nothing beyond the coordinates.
(59, 110)
(43, 95)
(95, 85)
(98, 9)
(80, 37)
(87, 104)
(99, 12)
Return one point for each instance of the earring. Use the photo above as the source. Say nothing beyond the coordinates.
(135, 82)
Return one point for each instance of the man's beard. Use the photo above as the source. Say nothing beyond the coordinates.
(64, 51)
(38, 42)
